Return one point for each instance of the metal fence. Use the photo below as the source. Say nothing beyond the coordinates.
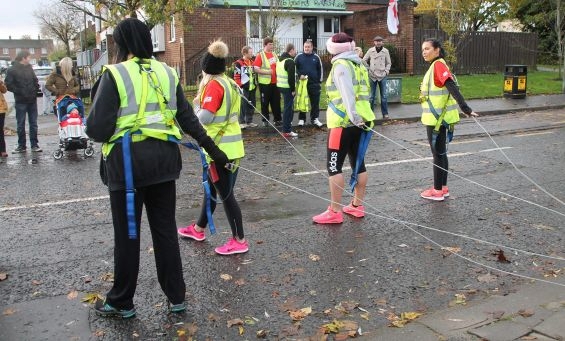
(481, 52)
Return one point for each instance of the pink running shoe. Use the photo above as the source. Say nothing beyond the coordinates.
(328, 217)
(432, 194)
(232, 247)
(190, 232)
(357, 212)
(445, 191)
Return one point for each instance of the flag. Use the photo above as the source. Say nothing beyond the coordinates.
(392, 17)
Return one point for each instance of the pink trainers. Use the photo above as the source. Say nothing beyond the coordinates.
(445, 191)
(190, 232)
(358, 212)
(432, 194)
(328, 217)
(232, 247)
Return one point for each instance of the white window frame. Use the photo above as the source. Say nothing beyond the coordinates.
(5, 50)
(334, 23)
(43, 50)
(31, 50)
(172, 31)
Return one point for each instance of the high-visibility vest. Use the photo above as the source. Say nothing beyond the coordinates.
(249, 67)
(439, 99)
(282, 74)
(265, 65)
(142, 107)
(302, 103)
(224, 128)
(360, 89)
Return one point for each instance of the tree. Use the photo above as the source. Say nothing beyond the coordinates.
(59, 22)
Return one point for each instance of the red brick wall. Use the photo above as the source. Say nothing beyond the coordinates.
(369, 21)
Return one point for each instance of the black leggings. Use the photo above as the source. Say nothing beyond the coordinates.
(223, 185)
(2, 141)
(440, 156)
(343, 142)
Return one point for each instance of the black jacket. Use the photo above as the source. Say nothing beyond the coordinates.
(290, 68)
(154, 161)
(22, 81)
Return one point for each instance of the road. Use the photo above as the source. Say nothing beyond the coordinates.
(57, 234)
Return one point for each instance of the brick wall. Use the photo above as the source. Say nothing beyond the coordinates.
(369, 21)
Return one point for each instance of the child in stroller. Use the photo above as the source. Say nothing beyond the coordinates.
(70, 113)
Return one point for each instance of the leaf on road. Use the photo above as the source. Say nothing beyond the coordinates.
(239, 282)
(364, 316)
(487, 278)
(460, 299)
(500, 257)
(72, 295)
(9, 311)
(226, 277)
(261, 334)
(107, 277)
(241, 330)
(400, 321)
(339, 326)
(3, 276)
(35, 282)
(525, 312)
(235, 322)
(92, 297)
(300, 314)
(448, 250)
(314, 257)
(99, 333)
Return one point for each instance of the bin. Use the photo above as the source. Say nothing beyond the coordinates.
(515, 79)
(394, 89)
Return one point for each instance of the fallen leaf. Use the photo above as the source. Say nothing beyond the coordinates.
(487, 278)
(226, 277)
(241, 330)
(3, 276)
(364, 316)
(261, 334)
(299, 314)
(460, 299)
(235, 322)
(449, 250)
(35, 282)
(314, 257)
(525, 312)
(72, 295)
(239, 282)
(107, 277)
(9, 311)
(500, 256)
(181, 332)
(99, 333)
(91, 298)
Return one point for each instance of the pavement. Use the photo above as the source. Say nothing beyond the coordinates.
(535, 311)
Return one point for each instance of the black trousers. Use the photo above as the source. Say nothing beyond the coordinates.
(439, 152)
(160, 203)
(270, 95)
(2, 140)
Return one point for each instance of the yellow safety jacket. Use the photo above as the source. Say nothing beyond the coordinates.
(439, 99)
(144, 86)
(302, 103)
(224, 128)
(282, 74)
(361, 90)
(265, 65)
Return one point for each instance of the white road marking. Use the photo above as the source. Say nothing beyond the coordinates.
(532, 134)
(54, 203)
(411, 160)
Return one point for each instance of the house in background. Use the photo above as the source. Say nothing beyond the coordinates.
(38, 48)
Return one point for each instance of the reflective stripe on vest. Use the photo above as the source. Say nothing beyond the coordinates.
(266, 65)
(224, 129)
(282, 74)
(361, 90)
(438, 97)
(141, 104)
(302, 103)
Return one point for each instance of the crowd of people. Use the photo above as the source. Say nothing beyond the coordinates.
(139, 113)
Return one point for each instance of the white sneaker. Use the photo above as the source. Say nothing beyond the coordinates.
(251, 125)
(300, 123)
(317, 123)
(291, 134)
(242, 125)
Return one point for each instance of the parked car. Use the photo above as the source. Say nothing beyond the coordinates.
(42, 72)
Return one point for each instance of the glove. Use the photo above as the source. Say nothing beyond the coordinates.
(219, 157)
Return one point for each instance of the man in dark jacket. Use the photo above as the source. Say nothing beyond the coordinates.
(309, 66)
(22, 81)
(286, 82)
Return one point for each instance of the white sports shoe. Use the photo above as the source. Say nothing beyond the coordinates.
(300, 123)
(317, 123)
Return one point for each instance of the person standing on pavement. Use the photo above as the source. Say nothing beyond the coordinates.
(62, 82)
(439, 97)
(134, 108)
(265, 65)
(286, 82)
(309, 66)
(22, 81)
(349, 119)
(3, 111)
(378, 59)
(244, 77)
(219, 102)
(47, 99)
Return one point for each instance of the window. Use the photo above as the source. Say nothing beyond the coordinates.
(31, 50)
(331, 25)
(172, 33)
(5, 50)
(43, 50)
(18, 50)
(257, 22)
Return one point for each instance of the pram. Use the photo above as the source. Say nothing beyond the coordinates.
(70, 113)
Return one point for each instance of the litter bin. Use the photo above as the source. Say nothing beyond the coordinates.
(393, 89)
(515, 78)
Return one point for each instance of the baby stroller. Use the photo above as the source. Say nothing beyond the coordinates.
(70, 113)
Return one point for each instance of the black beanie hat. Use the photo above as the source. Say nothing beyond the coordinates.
(133, 36)
(214, 60)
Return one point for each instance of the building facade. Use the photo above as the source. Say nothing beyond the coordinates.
(38, 48)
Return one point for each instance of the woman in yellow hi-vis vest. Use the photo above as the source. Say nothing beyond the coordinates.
(349, 119)
(219, 104)
(134, 108)
(439, 96)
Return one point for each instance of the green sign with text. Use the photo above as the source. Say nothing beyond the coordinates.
(290, 4)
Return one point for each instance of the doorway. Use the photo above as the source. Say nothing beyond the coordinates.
(310, 30)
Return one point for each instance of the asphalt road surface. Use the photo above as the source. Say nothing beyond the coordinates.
(406, 255)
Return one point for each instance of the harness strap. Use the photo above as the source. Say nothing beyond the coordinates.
(361, 150)
(130, 190)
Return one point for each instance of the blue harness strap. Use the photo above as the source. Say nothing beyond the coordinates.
(205, 182)
(130, 190)
(361, 150)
